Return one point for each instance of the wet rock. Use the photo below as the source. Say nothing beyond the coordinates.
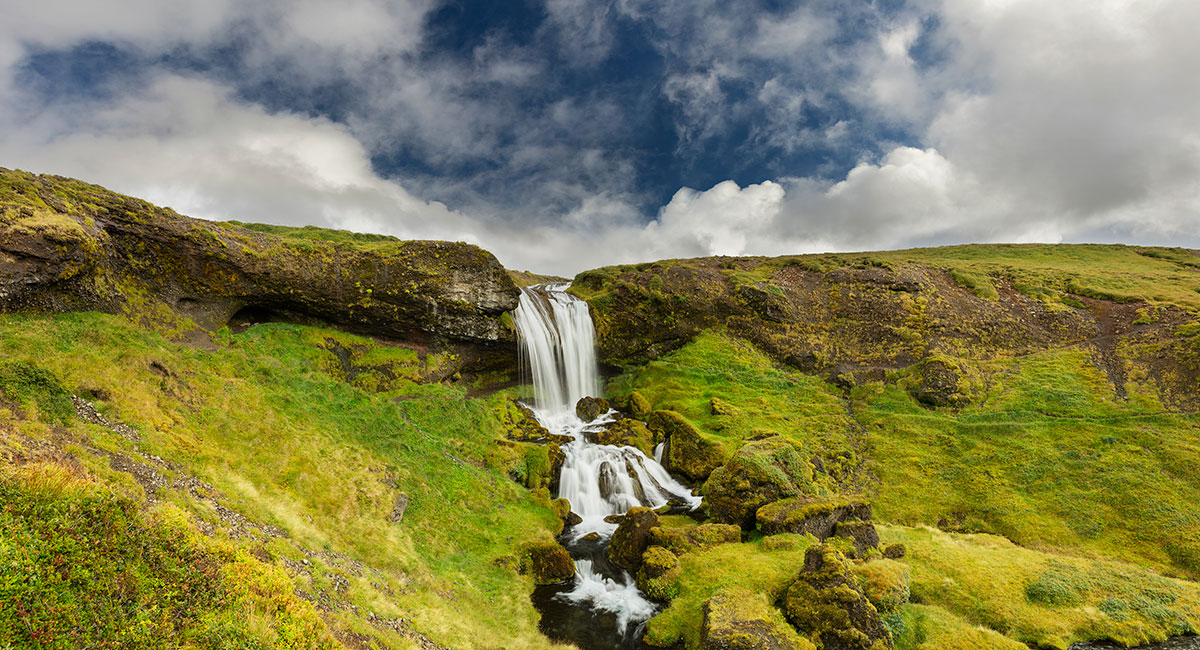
(687, 539)
(607, 480)
(687, 451)
(545, 560)
(562, 508)
(625, 432)
(821, 519)
(826, 604)
(656, 577)
(761, 472)
(631, 538)
(590, 408)
(591, 538)
(398, 508)
(738, 619)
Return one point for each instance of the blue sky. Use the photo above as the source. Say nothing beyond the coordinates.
(567, 134)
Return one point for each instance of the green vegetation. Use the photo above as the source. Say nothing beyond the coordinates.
(1043, 453)
(269, 427)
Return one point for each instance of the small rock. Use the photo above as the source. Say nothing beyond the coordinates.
(590, 408)
(398, 508)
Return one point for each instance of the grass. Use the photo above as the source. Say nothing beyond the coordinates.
(764, 566)
(1040, 599)
(286, 443)
(1045, 454)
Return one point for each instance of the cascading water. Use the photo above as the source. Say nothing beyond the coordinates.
(558, 340)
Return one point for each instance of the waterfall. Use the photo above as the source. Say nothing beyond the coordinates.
(558, 342)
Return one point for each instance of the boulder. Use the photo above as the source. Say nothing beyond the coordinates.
(638, 406)
(631, 538)
(545, 560)
(656, 577)
(894, 551)
(590, 408)
(860, 533)
(625, 432)
(941, 381)
(519, 423)
(826, 605)
(738, 619)
(686, 450)
(817, 517)
(761, 472)
(687, 539)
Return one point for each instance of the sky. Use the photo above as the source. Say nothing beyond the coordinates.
(564, 135)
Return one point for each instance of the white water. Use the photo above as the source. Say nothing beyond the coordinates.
(558, 339)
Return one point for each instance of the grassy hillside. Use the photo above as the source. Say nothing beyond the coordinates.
(1098, 490)
(289, 456)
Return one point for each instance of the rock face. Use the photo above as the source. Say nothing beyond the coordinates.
(826, 604)
(822, 519)
(631, 538)
(687, 451)
(761, 472)
(69, 246)
(736, 619)
(940, 382)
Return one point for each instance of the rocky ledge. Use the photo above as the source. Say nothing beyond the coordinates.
(71, 246)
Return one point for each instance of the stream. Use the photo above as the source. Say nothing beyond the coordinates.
(602, 608)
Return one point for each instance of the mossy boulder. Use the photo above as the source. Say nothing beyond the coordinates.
(687, 451)
(687, 539)
(631, 538)
(590, 408)
(519, 423)
(625, 432)
(738, 619)
(761, 472)
(826, 604)
(546, 561)
(816, 516)
(656, 576)
(941, 381)
(861, 533)
(638, 406)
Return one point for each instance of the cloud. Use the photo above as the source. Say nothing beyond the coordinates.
(719, 221)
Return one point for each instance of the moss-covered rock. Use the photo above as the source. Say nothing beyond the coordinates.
(861, 533)
(625, 432)
(761, 472)
(942, 381)
(686, 539)
(656, 577)
(590, 408)
(687, 451)
(826, 605)
(546, 561)
(638, 406)
(738, 619)
(816, 516)
(631, 538)
(520, 424)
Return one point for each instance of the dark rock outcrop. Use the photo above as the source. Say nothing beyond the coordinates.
(631, 538)
(70, 246)
(546, 561)
(826, 604)
(761, 472)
